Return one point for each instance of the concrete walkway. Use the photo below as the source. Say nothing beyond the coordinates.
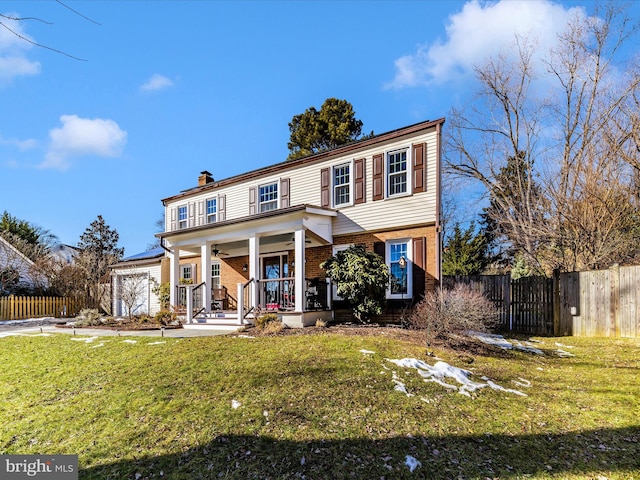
(48, 325)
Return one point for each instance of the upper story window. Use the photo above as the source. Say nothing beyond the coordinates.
(341, 184)
(182, 216)
(212, 210)
(268, 197)
(397, 172)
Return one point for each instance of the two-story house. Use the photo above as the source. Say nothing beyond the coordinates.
(255, 241)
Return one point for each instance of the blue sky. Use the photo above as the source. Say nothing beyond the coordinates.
(170, 88)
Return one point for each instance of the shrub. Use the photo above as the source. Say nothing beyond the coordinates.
(273, 327)
(264, 320)
(445, 314)
(321, 323)
(88, 317)
(362, 278)
(165, 317)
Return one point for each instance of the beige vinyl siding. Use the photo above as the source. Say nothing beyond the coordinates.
(304, 181)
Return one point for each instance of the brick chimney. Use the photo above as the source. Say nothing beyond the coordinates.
(204, 178)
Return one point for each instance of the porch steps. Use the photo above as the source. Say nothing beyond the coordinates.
(216, 320)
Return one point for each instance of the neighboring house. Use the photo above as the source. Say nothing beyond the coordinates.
(255, 241)
(63, 254)
(17, 271)
(133, 280)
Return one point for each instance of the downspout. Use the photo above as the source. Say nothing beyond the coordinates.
(439, 204)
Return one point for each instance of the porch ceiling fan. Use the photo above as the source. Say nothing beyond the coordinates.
(293, 240)
(216, 252)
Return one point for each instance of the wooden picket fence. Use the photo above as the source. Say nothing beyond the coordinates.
(14, 307)
(598, 303)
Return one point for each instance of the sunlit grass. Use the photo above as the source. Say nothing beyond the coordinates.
(315, 406)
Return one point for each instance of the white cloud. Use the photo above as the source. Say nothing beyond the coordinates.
(156, 83)
(83, 136)
(21, 145)
(477, 32)
(13, 60)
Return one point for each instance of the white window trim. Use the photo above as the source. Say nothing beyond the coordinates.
(278, 194)
(409, 269)
(186, 219)
(348, 163)
(206, 210)
(409, 150)
(192, 267)
(219, 277)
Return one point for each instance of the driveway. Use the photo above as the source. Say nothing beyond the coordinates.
(48, 325)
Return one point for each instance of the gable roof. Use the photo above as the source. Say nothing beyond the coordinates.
(10, 256)
(150, 256)
(290, 164)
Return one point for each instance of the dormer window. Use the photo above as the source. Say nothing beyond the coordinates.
(212, 210)
(182, 216)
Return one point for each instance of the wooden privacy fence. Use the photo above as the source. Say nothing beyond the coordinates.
(18, 308)
(597, 303)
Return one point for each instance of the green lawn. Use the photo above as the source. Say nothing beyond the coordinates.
(316, 407)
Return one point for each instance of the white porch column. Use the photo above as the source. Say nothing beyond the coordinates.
(205, 260)
(254, 264)
(299, 270)
(174, 275)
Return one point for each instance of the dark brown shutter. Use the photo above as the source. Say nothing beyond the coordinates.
(419, 267)
(324, 188)
(378, 176)
(379, 248)
(359, 184)
(252, 201)
(284, 194)
(221, 206)
(419, 168)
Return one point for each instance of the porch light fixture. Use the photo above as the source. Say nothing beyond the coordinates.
(244, 267)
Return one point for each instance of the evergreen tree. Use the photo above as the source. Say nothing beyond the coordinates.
(98, 250)
(465, 252)
(318, 130)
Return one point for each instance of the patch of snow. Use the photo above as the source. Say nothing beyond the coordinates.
(441, 371)
(235, 404)
(564, 353)
(12, 334)
(101, 344)
(245, 336)
(558, 344)
(501, 342)
(412, 463)
(84, 339)
(521, 382)
(129, 341)
(367, 352)
(156, 343)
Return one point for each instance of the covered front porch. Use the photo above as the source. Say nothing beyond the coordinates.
(261, 266)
